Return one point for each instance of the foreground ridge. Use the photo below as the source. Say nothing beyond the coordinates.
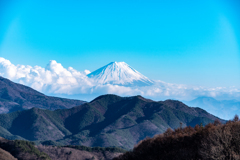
(214, 141)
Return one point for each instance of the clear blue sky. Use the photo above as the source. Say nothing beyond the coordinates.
(187, 42)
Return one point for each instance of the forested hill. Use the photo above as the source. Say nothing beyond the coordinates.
(108, 120)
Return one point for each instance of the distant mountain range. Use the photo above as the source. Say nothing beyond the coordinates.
(14, 96)
(225, 109)
(108, 120)
(119, 73)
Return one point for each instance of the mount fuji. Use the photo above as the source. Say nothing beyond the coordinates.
(119, 73)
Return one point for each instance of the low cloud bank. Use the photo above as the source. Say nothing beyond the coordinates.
(55, 79)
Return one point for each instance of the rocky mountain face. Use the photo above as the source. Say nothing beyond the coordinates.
(108, 120)
(15, 97)
(119, 73)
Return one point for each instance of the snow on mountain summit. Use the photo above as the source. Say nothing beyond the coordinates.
(119, 73)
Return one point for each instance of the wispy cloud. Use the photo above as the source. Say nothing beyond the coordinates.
(55, 79)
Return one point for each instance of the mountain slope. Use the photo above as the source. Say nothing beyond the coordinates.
(119, 73)
(15, 97)
(25, 150)
(21, 150)
(108, 120)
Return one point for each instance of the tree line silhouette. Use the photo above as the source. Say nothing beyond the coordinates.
(215, 141)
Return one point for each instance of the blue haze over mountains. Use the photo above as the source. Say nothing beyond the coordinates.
(225, 109)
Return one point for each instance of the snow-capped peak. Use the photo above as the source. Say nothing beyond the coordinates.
(119, 73)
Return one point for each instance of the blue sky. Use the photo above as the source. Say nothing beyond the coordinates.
(184, 42)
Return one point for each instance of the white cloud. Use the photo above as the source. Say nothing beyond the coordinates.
(87, 72)
(52, 79)
(55, 79)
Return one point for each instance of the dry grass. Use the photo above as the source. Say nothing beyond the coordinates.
(4, 155)
(65, 153)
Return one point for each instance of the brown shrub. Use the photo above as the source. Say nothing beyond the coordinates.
(217, 122)
(236, 118)
(215, 141)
